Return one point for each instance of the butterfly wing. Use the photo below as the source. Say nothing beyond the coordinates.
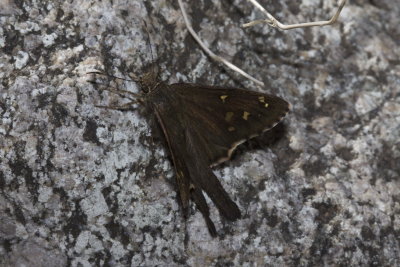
(203, 177)
(193, 175)
(181, 171)
(203, 125)
(226, 117)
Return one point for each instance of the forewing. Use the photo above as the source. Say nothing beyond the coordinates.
(193, 172)
(226, 117)
(174, 137)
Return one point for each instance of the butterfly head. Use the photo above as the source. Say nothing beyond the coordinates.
(149, 81)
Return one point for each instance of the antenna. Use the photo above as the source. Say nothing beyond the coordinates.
(151, 50)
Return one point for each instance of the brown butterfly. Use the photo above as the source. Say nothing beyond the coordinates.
(202, 126)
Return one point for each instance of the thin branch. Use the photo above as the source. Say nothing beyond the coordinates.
(275, 23)
(210, 53)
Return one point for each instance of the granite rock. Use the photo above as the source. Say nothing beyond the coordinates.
(84, 186)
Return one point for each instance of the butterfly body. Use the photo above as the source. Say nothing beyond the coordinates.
(202, 126)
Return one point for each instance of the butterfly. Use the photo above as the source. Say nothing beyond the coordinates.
(202, 126)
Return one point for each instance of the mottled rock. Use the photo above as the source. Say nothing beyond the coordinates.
(84, 186)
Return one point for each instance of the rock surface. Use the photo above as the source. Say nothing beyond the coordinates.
(84, 186)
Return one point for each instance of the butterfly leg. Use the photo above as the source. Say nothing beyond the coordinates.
(124, 107)
(121, 92)
(134, 79)
(117, 91)
(114, 90)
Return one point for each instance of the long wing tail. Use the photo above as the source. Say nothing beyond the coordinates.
(203, 178)
(201, 204)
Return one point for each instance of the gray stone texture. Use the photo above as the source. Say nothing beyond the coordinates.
(85, 186)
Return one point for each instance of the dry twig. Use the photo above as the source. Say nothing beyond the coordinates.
(275, 23)
(210, 53)
(270, 20)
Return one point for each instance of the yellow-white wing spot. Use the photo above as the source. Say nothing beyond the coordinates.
(231, 129)
(261, 99)
(223, 97)
(266, 105)
(245, 115)
(228, 116)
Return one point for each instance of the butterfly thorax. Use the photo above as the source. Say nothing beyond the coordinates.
(149, 82)
(158, 93)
